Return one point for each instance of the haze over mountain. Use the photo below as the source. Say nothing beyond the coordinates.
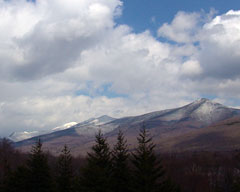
(166, 125)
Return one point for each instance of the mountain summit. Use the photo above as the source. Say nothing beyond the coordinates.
(206, 111)
(165, 124)
(198, 114)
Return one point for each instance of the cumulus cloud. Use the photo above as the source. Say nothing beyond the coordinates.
(66, 61)
(219, 55)
(213, 66)
(191, 68)
(46, 37)
(44, 113)
(183, 28)
(216, 39)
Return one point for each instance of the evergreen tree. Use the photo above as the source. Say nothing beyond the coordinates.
(96, 174)
(120, 169)
(19, 180)
(169, 186)
(6, 154)
(39, 172)
(6, 178)
(64, 171)
(148, 174)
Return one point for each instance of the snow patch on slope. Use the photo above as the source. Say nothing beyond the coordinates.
(92, 126)
(97, 121)
(65, 126)
(88, 127)
(202, 110)
(19, 136)
(205, 111)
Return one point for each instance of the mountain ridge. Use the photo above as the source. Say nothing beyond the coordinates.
(169, 123)
(19, 136)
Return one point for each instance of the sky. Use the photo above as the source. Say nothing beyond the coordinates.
(69, 60)
(141, 14)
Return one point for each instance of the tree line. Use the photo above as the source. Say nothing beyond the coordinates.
(117, 169)
(104, 170)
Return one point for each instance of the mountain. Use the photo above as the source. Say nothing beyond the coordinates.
(167, 125)
(96, 121)
(221, 136)
(19, 136)
(63, 127)
(198, 114)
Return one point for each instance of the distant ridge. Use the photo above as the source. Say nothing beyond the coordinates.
(19, 136)
(164, 125)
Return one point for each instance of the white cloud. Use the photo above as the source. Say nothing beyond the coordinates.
(182, 29)
(65, 61)
(219, 55)
(191, 68)
(31, 32)
(213, 61)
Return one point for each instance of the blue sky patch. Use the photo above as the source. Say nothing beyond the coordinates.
(104, 90)
(144, 15)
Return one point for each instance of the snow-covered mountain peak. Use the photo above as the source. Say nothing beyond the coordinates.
(209, 111)
(200, 113)
(65, 126)
(105, 119)
(205, 105)
(206, 109)
(202, 101)
(97, 121)
(18, 136)
(92, 123)
(203, 110)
